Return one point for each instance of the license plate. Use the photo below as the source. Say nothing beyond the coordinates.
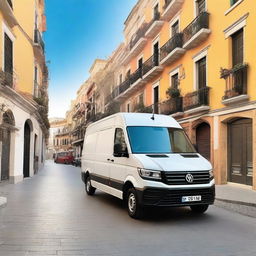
(191, 199)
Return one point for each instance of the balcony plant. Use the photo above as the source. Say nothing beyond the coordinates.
(173, 92)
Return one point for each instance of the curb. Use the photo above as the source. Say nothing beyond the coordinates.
(244, 208)
(3, 202)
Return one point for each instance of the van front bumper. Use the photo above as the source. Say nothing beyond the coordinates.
(173, 197)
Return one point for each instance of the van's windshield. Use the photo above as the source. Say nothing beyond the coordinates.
(158, 140)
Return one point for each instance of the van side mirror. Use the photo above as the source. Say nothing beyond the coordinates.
(119, 151)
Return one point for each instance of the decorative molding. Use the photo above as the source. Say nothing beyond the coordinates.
(240, 23)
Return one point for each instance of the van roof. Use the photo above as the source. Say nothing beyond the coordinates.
(136, 119)
(142, 119)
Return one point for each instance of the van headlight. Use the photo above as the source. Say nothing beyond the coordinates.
(211, 175)
(149, 174)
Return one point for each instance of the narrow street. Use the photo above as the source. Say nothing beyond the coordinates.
(51, 215)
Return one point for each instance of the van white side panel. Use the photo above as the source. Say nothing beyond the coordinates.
(101, 186)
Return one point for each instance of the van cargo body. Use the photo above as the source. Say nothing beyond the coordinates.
(147, 161)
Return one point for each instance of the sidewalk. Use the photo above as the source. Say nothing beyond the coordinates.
(236, 197)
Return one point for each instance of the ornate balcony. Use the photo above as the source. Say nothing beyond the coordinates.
(38, 40)
(196, 101)
(151, 68)
(171, 7)
(197, 31)
(171, 106)
(172, 50)
(6, 79)
(154, 26)
(236, 84)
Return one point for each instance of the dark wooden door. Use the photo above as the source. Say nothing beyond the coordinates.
(203, 140)
(240, 151)
(156, 54)
(5, 161)
(201, 69)
(238, 47)
(26, 159)
(156, 100)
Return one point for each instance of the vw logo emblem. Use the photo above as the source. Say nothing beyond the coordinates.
(189, 178)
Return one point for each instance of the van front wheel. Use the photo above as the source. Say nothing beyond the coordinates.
(199, 208)
(134, 209)
(90, 190)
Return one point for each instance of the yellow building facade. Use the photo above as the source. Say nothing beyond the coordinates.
(194, 60)
(23, 89)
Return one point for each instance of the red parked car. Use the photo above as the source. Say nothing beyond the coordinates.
(64, 158)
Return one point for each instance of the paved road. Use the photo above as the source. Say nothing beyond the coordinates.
(51, 215)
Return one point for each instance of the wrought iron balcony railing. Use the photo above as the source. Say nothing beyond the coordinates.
(196, 99)
(171, 106)
(149, 64)
(6, 79)
(38, 39)
(200, 22)
(136, 76)
(138, 35)
(236, 81)
(174, 42)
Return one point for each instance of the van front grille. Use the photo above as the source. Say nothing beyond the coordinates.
(179, 178)
(174, 197)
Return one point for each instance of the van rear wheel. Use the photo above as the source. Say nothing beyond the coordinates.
(90, 190)
(199, 208)
(134, 209)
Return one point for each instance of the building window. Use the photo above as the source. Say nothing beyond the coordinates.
(238, 48)
(128, 74)
(232, 2)
(201, 6)
(128, 107)
(8, 55)
(36, 82)
(156, 12)
(175, 28)
(140, 63)
(175, 81)
(141, 98)
(120, 78)
(201, 73)
(10, 3)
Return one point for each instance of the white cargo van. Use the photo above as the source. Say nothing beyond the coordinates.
(147, 161)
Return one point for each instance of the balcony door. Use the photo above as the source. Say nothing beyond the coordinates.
(201, 73)
(156, 54)
(240, 151)
(8, 58)
(156, 99)
(238, 47)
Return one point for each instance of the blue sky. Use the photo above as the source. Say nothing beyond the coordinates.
(79, 31)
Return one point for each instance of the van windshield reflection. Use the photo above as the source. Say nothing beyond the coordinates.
(158, 140)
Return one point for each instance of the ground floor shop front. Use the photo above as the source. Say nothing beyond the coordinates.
(226, 138)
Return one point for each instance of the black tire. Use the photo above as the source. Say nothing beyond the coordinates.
(90, 190)
(134, 209)
(199, 209)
